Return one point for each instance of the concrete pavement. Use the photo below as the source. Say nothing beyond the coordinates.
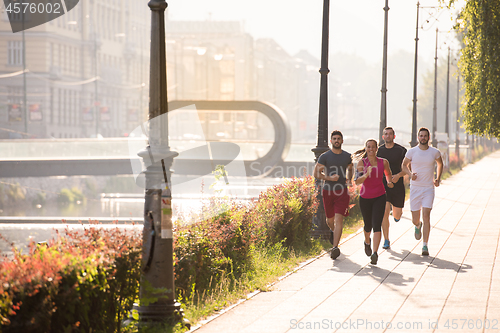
(455, 289)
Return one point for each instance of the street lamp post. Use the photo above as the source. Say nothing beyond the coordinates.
(434, 109)
(383, 106)
(96, 83)
(414, 142)
(447, 118)
(457, 124)
(157, 281)
(25, 100)
(320, 227)
(447, 125)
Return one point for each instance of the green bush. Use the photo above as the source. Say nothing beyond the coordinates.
(78, 196)
(15, 193)
(40, 199)
(67, 196)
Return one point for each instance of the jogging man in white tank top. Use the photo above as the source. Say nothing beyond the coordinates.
(419, 164)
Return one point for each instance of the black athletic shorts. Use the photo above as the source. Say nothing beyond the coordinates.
(396, 195)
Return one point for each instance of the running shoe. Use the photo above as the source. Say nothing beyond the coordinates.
(387, 244)
(374, 258)
(368, 248)
(418, 232)
(425, 250)
(396, 220)
(335, 253)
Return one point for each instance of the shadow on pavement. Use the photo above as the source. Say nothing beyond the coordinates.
(432, 262)
(377, 273)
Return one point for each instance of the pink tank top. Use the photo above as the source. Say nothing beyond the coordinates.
(373, 186)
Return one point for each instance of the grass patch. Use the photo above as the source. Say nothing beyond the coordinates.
(352, 228)
(353, 222)
(450, 172)
(269, 265)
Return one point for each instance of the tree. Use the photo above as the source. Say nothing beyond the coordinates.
(480, 66)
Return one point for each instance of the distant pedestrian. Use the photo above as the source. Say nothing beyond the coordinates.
(335, 168)
(370, 172)
(419, 165)
(395, 154)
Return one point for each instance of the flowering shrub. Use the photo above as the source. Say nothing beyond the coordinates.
(78, 283)
(286, 211)
(354, 209)
(480, 151)
(222, 245)
(208, 250)
(354, 194)
(456, 161)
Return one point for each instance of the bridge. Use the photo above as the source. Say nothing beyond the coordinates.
(94, 157)
(197, 156)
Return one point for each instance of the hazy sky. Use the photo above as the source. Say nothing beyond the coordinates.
(355, 26)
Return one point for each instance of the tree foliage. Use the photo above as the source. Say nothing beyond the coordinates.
(480, 66)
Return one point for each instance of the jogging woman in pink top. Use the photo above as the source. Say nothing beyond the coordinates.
(370, 170)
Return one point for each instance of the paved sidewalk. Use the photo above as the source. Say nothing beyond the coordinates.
(455, 289)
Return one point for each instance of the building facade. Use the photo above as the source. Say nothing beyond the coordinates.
(213, 60)
(83, 73)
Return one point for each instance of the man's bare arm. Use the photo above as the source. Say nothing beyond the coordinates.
(406, 168)
(319, 173)
(439, 161)
(350, 173)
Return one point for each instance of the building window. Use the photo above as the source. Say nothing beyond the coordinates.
(14, 95)
(52, 107)
(15, 51)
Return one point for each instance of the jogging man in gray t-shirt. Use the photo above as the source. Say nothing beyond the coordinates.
(335, 168)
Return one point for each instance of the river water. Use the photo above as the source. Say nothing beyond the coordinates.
(21, 225)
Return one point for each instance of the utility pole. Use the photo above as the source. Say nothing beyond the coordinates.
(25, 99)
(414, 141)
(447, 119)
(457, 124)
(434, 109)
(96, 83)
(383, 106)
(96, 99)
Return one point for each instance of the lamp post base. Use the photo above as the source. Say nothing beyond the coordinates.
(157, 314)
(320, 229)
